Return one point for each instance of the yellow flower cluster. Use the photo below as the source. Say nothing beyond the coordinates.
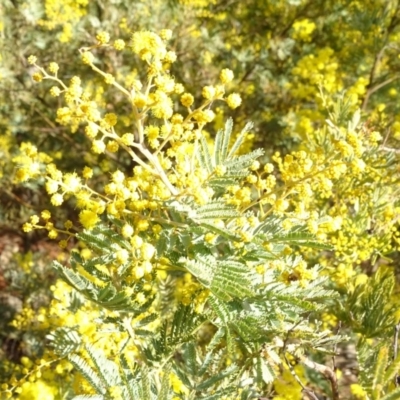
(153, 180)
(60, 314)
(314, 69)
(65, 13)
(30, 162)
(303, 29)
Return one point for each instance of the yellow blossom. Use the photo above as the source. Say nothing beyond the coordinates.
(53, 67)
(119, 44)
(127, 231)
(46, 215)
(208, 92)
(358, 391)
(38, 390)
(147, 250)
(32, 60)
(128, 139)
(187, 99)
(71, 182)
(98, 146)
(103, 37)
(303, 29)
(27, 227)
(226, 75)
(57, 199)
(234, 100)
(87, 57)
(88, 219)
(55, 91)
(37, 77)
(109, 79)
(166, 34)
(34, 219)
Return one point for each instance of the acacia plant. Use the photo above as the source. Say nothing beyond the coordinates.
(194, 267)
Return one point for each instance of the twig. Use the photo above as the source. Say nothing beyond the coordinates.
(372, 73)
(386, 137)
(301, 13)
(371, 89)
(385, 148)
(309, 392)
(18, 199)
(376, 88)
(326, 371)
(335, 348)
(395, 346)
(127, 320)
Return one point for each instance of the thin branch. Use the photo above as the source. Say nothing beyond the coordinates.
(309, 392)
(371, 85)
(372, 73)
(335, 348)
(376, 88)
(298, 380)
(127, 321)
(299, 14)
(385, 148)
(395, 347)
(18, 199)
(328, 373)
(386, 137)
(248, 72)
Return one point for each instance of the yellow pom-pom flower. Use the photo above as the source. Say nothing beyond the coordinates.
(234, 100)
(103, 37)
(226, 75)
(88, 219)
(187, 99)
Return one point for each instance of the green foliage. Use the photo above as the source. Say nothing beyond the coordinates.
(205, 261)
(372, 312)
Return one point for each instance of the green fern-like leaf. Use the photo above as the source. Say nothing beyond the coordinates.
(202, 269)
(221, 309)
(225, 233)
(380, 366)
(392, 371)
(75, 280)
(370, 305)
(239, 140)
(146, 393)
(225, 279)
(214, 210)
(107, 369)
(101, 238)
(184, 323)
(165, 390)
(242, 163)
(219, 394)
(130, 378)
(204, 156)
(395, 395)
(64, 341)
(264, 372)
(222, 140)
(298, 235)
(231, 280)
(189, 354)
(88, 373)
(218, 377)
(183, 376)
